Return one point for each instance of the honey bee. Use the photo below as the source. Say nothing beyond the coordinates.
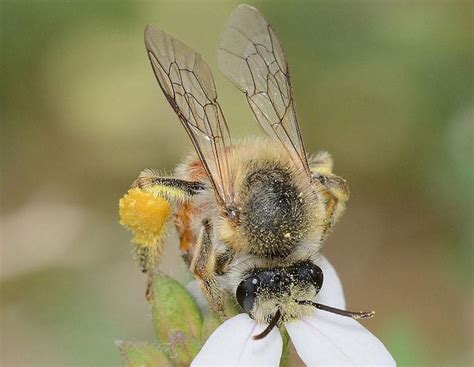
(251, 215)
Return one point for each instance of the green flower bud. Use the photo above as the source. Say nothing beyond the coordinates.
(142, 354)
(176, 318)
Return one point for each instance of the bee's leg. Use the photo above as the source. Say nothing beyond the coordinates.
(169, 188)
(203, 267)
(147, 262)
(223, 261)
(335, 189)
(172, 190)
(322, 163)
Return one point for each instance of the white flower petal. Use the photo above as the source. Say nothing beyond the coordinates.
(331, 293)
(232, 345)
(326, 339)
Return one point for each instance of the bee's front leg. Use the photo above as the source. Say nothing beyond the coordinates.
(203, 266)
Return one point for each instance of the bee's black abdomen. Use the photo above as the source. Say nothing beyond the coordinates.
(273, 214)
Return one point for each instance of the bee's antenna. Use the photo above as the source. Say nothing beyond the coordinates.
(354, 315)
(269, 328)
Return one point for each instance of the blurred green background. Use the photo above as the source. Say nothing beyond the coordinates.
(385, 86)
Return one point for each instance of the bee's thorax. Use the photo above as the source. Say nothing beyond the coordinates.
(274, 214)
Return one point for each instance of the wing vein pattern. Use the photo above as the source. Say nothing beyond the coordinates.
(188, 85)
(251, 56)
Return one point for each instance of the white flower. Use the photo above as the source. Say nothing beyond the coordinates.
(322, 339)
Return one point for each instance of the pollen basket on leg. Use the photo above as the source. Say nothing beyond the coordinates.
(145, 215)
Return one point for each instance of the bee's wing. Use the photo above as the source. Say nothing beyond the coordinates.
(188, 85)
(250, 55)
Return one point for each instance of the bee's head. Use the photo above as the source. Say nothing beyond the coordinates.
(276, 294)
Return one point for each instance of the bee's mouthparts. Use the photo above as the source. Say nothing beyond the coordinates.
(354, 315)
(270, 326)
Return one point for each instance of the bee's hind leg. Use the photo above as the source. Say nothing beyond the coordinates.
(170, 188)
(173, 191)
(203, 266)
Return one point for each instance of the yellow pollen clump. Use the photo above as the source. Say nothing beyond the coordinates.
(145, 215)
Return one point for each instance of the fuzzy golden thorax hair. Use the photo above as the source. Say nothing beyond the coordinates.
(277, 206)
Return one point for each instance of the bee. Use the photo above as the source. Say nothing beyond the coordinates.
(251, 215)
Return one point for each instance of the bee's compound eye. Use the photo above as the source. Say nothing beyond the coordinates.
(313, 274)
(317, 277)
(247, 291)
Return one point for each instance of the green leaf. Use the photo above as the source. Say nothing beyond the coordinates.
(142, 354)
(176, 319)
